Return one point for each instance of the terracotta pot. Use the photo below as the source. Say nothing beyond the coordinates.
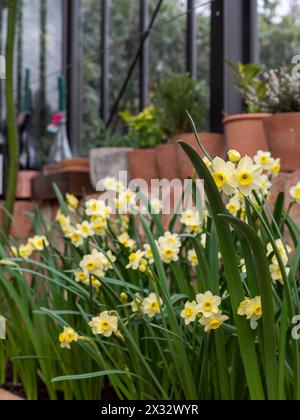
(24, 183)
(283, 136)
(8, 396)
(166, 158)
(245, 133)
(142, 164)
(212, 142)
(21, 227)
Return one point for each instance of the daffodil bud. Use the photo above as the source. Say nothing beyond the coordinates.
(234, 156)
(124, 297)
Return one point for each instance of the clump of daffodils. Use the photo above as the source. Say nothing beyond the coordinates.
(251, 309)
(88, 280)
(206, 307)
(105, 324)
(126, 241)
(96, 263)
(244, 175)
(192, 221)
(169, 247)
(67, 337)
(34, 244)
(284, 251)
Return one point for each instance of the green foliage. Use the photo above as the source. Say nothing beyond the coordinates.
(176, 95)
(145, 130)
(250, 85)
(156, 357)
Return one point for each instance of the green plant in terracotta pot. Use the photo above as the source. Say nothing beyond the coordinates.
(245, 132)
(283, 128)
(176, 95)
(144, 134)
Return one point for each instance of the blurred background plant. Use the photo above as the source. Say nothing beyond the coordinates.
(145, 130)
(282, 91)
(250, 85)
(176, 95)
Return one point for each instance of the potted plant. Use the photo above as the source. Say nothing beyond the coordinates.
(245, 132)
(144, 134)
(283, 128)
(108, 154)
(176, 95)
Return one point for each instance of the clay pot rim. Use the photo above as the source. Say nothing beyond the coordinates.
(199, 132)
(178, 137)
(285, 114)
(141, 151)
(241, 117)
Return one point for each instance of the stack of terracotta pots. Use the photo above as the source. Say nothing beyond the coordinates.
(169, 161)
(278, 133)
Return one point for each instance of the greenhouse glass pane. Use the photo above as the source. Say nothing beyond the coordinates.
(91, 71)
(279, 31)
(124, 44)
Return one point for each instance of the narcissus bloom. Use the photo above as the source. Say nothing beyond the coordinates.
(67, 337)
(234, 156)
(72, 201)
(234, 205)
(126, 241)
(151, 305)
(247, 176)
(295, 193)
(137, 261)
(283, 251)
(265, 185)
(87, 280)
(126, 202)
(213, 322)
(112, 184)
(264, 159)
(191, 219)
(24, 251)
(38, 243)
(99, 225)
(97, 263)
(222, 173)
(275, 167)
(193, 258)
(64, 221)
(148, 253)
(208, 304)
(136, 303)
(105, 324)
(190, 312)
(97, 208)
(85, 230)
(251, 308)
(169, 247)
(276, 273)
(76, 239)
(156, 206)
